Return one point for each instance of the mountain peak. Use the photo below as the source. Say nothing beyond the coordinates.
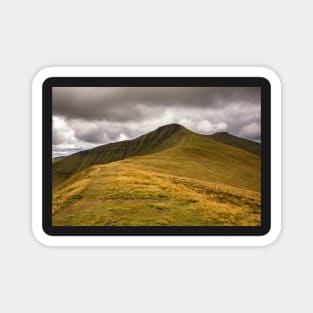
(169, 130)
(171, 126)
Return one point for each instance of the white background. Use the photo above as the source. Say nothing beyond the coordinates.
(36, 34)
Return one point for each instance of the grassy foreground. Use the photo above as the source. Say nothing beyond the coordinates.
(182, 179)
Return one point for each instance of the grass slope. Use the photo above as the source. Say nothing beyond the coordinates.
(57, 159)
(238, 142)
(186, 179)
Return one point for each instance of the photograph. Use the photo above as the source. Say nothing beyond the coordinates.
(156, 156)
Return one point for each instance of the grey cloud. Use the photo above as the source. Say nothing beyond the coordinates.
(57, 137)
(251, 131)
(136, 103)
(93, 135)
(99, 131)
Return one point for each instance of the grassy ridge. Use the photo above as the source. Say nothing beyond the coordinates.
(182, 178)
(237, 142)
(205, 159)
(157, 140)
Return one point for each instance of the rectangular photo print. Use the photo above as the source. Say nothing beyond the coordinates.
(156, 156)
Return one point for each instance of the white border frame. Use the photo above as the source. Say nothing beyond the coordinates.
(276, 149)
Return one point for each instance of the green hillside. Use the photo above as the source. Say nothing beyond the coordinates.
(57, 159)
(170, 176)
(237, 142)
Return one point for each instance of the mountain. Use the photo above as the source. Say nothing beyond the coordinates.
(157, 140)
(170, 176)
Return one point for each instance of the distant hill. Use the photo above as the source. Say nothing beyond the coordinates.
(170, 176)
(56, 159)
(238, 142)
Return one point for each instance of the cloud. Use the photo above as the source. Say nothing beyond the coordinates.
(252, 131)
(61, 132)
(207, 127)
(84, 117)
(136, 103)
(122, 137)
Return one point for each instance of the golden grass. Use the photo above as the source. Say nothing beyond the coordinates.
(121, 194)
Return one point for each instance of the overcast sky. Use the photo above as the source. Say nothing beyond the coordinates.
(85, 117)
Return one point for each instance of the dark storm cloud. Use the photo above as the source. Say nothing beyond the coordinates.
(93, 135)
(136, 103)
(84, 117)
